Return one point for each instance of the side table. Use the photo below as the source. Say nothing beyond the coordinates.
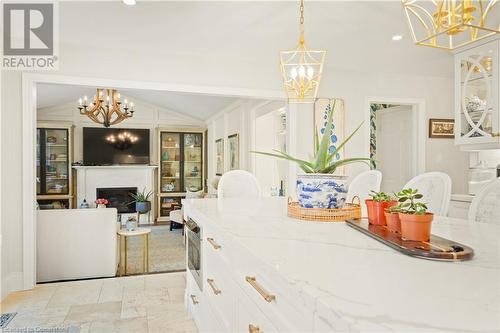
(124, 233)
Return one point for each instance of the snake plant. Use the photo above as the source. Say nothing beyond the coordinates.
(140, 196)
(323, 160)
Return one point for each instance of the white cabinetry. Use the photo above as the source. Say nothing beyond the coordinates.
(240, 294)
(477, 118)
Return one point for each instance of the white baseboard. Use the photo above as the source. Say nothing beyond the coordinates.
(13, 282)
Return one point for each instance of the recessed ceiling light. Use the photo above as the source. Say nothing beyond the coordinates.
(397, 37)
(129, 2)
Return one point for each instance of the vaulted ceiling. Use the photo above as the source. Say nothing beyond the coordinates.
(194, 105)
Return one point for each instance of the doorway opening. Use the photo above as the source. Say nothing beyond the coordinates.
(66, 179)
(394, 143)
(269, 135)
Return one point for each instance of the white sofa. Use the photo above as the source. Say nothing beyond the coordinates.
(76, 244)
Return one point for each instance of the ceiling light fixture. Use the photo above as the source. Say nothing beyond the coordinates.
(129, 2)
(301, 69)
(106, 111)
(397, 38)
(448, 24)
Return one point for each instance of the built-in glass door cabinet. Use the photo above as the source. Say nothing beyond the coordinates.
(53, 166)
(180, 168)
(477, 120)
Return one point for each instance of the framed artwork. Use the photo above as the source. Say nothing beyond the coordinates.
(322, 107)
(441, 128)
(219, 156)
(234, 151)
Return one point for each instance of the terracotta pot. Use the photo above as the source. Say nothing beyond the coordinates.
(416, 227)
(393, 222)
(376, 210)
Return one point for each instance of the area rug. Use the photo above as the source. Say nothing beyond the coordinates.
(166, 251)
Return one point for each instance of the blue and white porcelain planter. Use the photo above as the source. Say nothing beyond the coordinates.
(318, 190)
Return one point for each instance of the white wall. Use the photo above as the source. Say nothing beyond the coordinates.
(231, 120)
(256, 73)
(11, 212)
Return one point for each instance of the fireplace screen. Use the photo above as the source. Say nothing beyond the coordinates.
(118, 197)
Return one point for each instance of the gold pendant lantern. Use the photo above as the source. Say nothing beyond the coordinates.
(301, 69)
(106, 108)
(448, 24)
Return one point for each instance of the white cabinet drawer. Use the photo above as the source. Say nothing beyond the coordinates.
(215, 246)
(274, 296)
(220, 291)
(251, 319)
(200, 309)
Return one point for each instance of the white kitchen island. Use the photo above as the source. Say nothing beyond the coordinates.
(262, 271)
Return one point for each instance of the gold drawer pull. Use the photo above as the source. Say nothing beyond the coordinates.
(213, 243)
(214, 288)
(253, 282)
(253, 329)
(193, 298)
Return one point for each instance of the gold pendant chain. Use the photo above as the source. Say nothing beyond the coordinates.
(301, 41)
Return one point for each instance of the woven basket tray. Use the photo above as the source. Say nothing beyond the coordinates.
(349, 211)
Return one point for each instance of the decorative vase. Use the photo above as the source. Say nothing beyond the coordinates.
(165, 156)
(142, 207)
(317, 190)
(84, 204)
(393, 222)
(375, 210)
(416, 227)
(101, 206)
(130, 224)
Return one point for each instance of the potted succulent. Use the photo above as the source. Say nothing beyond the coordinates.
(376, 205)
(101, 203)
(141, 199)
(318, 187)
(415, 220)
(392, 219)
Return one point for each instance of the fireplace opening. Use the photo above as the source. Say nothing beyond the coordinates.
(118, 197)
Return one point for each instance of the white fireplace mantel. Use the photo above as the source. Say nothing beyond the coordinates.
(139, 166)
(89, 178)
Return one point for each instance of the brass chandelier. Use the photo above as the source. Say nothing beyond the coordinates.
(106, 108)
(301, 69)
(448, 24)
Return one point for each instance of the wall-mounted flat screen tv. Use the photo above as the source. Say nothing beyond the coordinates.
(114, 146)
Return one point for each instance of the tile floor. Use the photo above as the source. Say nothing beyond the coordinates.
(147, 303)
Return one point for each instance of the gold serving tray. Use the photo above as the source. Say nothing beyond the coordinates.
(437, 248)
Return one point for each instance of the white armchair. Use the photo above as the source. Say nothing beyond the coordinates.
(177, 216)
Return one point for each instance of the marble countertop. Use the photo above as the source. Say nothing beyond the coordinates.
(357, 284)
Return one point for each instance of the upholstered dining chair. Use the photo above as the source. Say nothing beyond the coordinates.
(485, 206)
(436, 188)
(238, 184)
(362, 185)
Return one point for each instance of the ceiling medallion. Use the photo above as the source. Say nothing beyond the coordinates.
(106, 108)
(448, 24)
(301, 69)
